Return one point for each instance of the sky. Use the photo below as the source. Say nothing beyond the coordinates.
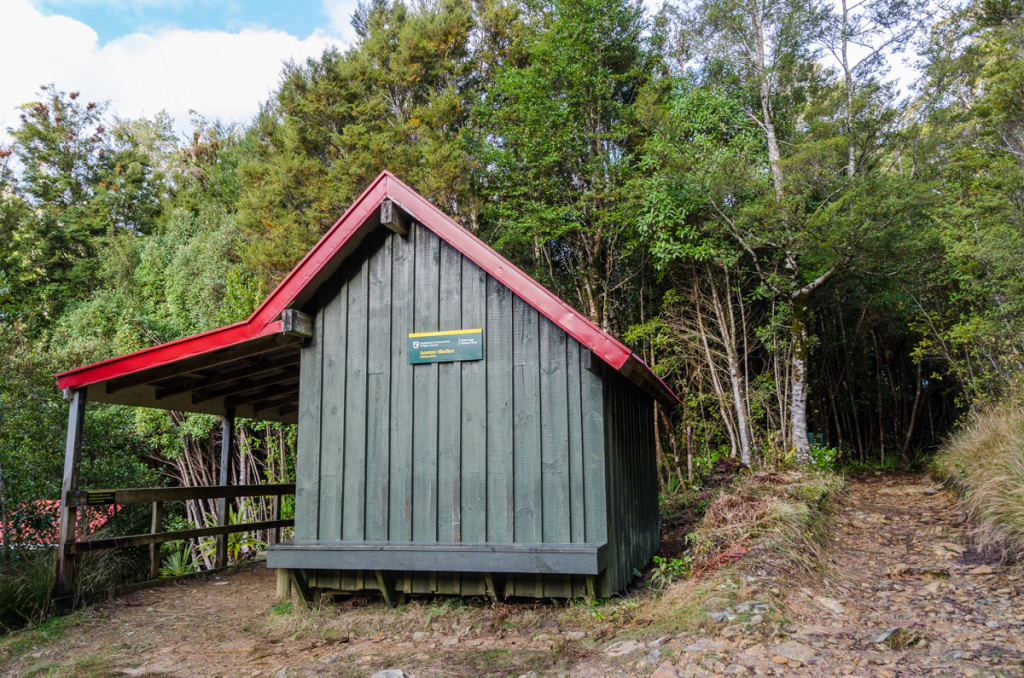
(221, 58)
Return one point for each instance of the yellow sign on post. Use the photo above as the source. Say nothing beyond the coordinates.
(99, 497)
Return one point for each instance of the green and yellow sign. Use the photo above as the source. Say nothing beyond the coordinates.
(444, 347)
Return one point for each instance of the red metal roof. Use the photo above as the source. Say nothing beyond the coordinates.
(324, 258)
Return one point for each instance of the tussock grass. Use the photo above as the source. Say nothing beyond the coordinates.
(26, 581)
(781, 515)
(985, 463)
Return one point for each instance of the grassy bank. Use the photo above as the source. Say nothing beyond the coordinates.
(985, 463)
(757, 530)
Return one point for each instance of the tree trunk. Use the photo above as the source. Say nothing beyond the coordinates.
(851, 151)
(798, 407)
(727, 329)
(913, 410)
(659, 451)
(767, 112)
(689, 455)
(5, 535)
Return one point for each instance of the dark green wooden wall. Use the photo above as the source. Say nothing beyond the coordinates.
(633, 518)
(507, 449)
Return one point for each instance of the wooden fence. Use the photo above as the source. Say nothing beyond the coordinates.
(74, 499)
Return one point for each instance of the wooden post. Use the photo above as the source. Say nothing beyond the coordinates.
(302, 586)
(64, 579)
(227, 433)
(386, 589)
(284, 584)
(275, 535)
(156, 526)
(489, 589)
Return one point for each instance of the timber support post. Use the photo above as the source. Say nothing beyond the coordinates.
(387, 589)
(275, 535)
(64, 579)
(302, 587)
(227, 433)
(284, 584)
(156, 526)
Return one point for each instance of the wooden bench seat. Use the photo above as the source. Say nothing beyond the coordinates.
(397, 556)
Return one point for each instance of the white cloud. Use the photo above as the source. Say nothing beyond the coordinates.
(219, 74)
(339, 12)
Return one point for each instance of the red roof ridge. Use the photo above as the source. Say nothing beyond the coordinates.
(296, 285)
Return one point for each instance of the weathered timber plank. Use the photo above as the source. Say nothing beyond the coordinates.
(420, 557)
(594, 486)
(156, 525)
(425, 393)
(148, 495)
(500, 414)
(425, 389)
(529, 490)
(400, 424)
(449, 388)
(449, 425)
(227, 434)
(307, 463)
(378, 396)
(334, 315)
(185, 365)
(353, 524)
(250, 368)
(574, 427)
(474, 409)
(555, 516)
(146, 539)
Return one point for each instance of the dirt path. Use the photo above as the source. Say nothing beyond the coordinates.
(907, 599)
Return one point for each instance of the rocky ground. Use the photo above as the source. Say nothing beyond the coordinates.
(906, 597)
(909, 598)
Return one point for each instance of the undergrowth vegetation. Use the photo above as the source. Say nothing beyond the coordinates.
(750, 531)
(985, 463)
(26, 581)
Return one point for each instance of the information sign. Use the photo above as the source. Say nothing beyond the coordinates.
(443, 347)
(99, 497)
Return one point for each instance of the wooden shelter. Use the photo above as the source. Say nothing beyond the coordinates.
(460, 428)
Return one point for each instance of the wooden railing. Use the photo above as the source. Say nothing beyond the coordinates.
(157, 496)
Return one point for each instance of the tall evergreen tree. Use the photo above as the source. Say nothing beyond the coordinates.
(562, 133)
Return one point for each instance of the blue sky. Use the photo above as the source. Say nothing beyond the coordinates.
(221, 59)
(112, 19)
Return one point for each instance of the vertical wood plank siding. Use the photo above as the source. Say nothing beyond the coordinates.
(510, 448)
(631, 478)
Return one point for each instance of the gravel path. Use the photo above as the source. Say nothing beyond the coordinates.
(909, 599)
